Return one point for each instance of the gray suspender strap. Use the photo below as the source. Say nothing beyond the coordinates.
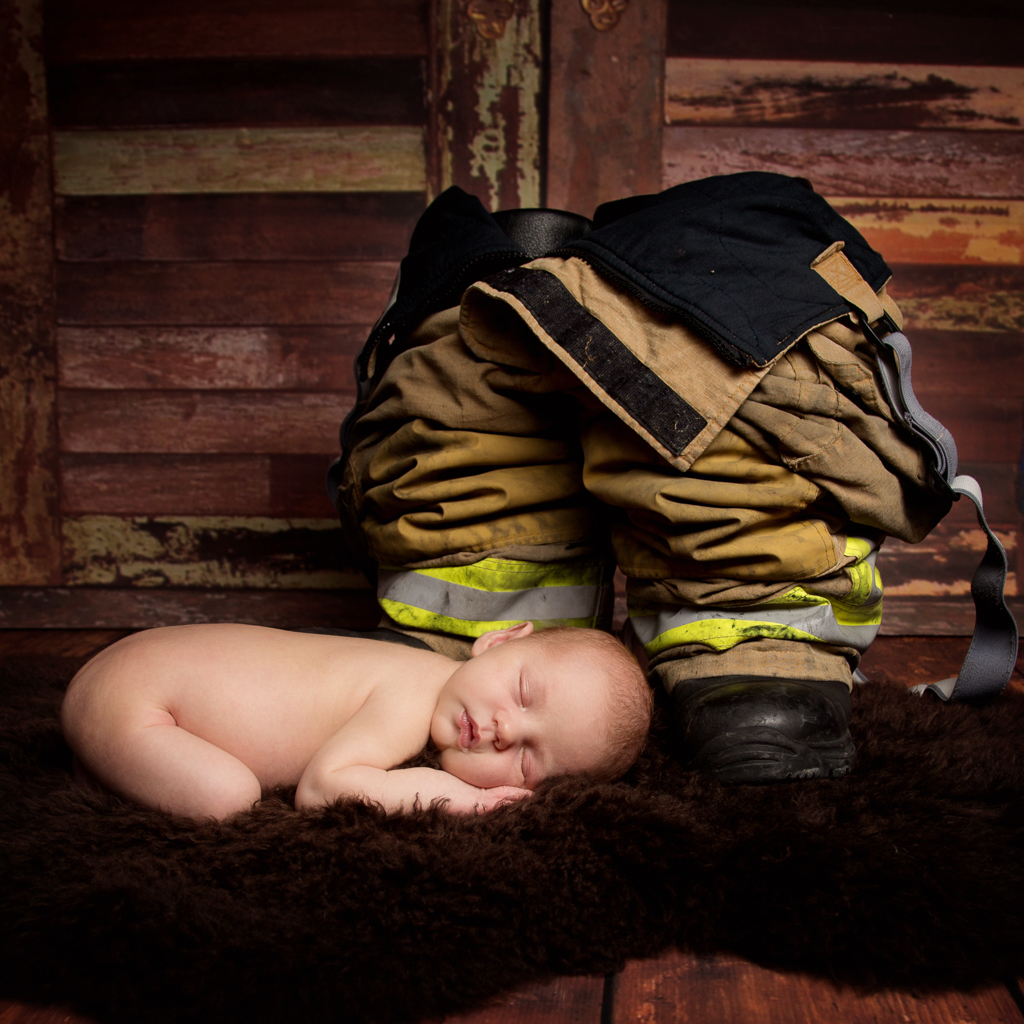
(993, 652)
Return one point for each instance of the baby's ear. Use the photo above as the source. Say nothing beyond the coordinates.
(499, 636)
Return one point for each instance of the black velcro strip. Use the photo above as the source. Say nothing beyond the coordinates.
(640, 391)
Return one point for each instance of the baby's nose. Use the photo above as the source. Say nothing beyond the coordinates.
(506, 732)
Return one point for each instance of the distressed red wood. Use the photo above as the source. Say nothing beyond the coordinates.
(210, 358)
(143, 161)
(140, 608)
(176, 422)
(189, 29)
(29, 534)
(604, 106)
(962, 362)
(21, 1013)
(285, 486)
(935, 616)
(985, 429)
(484, 132)
(223, 293)
(969, 298)
(950, 232)
(824, 93)
(999, 482)
(942, 564)
(269, 226)
(679, 988)
(917, 659)
(212, 93)
(251, 552)
(562, 1001)
(849, 162)
(917, 31)
(77, 643)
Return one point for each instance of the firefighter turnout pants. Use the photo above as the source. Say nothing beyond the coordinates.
(492, 481)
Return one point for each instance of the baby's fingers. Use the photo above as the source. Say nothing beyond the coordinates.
(499, 796)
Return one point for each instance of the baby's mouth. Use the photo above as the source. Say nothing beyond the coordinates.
(469, 734)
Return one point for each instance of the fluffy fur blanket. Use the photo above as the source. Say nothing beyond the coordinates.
(907, 873)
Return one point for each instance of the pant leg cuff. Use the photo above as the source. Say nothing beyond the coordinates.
(755, 659)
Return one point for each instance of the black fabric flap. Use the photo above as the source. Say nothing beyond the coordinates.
(731, 257)
(455, 243)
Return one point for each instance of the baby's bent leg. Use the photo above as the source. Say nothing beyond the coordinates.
(156, 763)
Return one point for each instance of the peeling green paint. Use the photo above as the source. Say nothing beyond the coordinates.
(207, 551)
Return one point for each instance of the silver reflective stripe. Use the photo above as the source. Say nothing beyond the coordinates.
(458, 602)
(817, 620)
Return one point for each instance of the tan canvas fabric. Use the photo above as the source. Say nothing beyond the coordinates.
(686, 362)
(478, 440)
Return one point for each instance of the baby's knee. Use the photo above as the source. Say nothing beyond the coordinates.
(230, 793)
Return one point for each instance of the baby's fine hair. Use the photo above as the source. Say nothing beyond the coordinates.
(630, 700)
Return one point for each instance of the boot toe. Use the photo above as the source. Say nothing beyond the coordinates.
(746, 731)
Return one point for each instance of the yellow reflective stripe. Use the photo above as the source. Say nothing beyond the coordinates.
(847, 612)
(504, 575)
(721, 634)
(420, 618)
(858, 547)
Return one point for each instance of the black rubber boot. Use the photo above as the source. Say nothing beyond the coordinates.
(743, 730)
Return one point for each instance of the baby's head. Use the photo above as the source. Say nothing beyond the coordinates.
(528, 706)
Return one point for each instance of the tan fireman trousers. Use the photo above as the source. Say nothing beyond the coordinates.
(490, 483)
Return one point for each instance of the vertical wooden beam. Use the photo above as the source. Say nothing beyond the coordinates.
(486, 100)
(606, 106)
(29, 530)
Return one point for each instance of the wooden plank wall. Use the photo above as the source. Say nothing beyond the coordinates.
(910, 119)
(234, 185)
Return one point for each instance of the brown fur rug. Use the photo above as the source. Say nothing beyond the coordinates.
(907, 873)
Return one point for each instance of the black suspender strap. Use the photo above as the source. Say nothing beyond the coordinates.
(993, 652)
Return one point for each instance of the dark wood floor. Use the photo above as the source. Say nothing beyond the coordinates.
(676, 988)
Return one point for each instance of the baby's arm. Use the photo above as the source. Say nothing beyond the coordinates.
(355, 762)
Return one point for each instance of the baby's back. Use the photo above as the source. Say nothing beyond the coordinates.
(269, 697)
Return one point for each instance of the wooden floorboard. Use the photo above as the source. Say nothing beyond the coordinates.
(20, 1013)
(562, 1001)
(64, 643)
(680, 989)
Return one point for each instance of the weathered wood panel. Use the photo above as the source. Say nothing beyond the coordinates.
(678, 988)
(207, 551)
(562, 1001)
(125, 30)
(922, 33)
(140, 161)
(999, 482)
(222, 293)
(485, 119)
(29, 539)
(209, 93)
(75, 643)
(968, 298)
(603, 105)
(927, 616)
(142, 608)
(962, 363)
(844, 162)
(268, 226)
(209, 358)
(283, 486)
(826, 94)
(207, 422)
(939, 230)
(943, 563)
(986, 429)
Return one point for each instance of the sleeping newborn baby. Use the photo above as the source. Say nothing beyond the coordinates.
(200, 720)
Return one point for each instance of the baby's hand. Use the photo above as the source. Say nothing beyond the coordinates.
(489, 799)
